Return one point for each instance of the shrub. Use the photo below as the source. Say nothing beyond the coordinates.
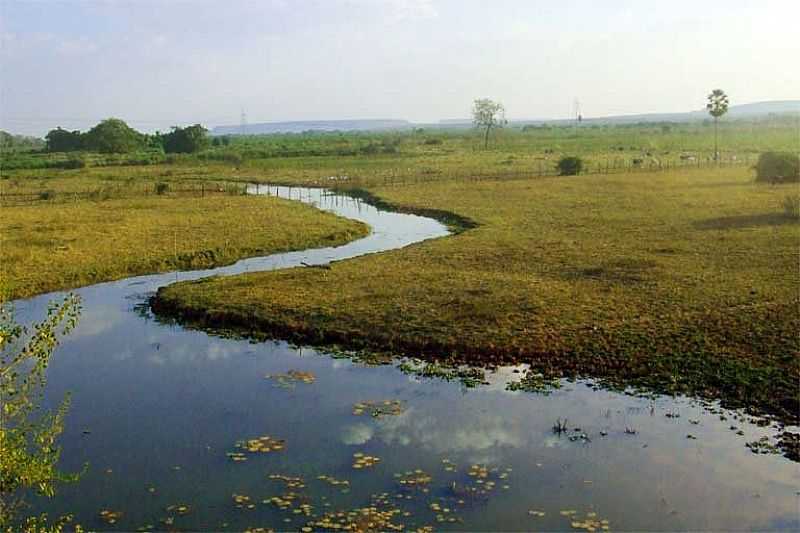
(778, 167)
(233, 189)
(791, 206)
(73, 163)
(370, 149)
(162, 188)
(433, 141)
(569, 166)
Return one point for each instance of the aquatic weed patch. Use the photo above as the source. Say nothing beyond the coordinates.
(291, 378)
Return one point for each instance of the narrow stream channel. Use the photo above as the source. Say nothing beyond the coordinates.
(157, 412)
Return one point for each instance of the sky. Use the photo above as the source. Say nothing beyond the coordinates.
(158, 63)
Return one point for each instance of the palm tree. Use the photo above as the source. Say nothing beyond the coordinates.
(717, 106)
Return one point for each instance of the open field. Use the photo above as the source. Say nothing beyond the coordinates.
(47, 245)
(369, 158)
(678, 281)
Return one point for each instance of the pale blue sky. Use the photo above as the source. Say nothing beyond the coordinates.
(158, 63)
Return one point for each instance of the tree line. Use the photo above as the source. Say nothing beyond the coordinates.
(114, 136)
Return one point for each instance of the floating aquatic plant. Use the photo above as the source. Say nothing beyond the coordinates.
(377, 409)
(109, 516)
(535, 382)
(291, 378)
(364, 461)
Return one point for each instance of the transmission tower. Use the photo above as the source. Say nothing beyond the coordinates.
(576, 112)
(243, 123)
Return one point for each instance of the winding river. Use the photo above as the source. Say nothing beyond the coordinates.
(163, 415)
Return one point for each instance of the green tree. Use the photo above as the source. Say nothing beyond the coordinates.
(113, 136)
(28, 450)
(61, 140)
(155, 141)
(186, 140)
(487, 114)
(717, 106)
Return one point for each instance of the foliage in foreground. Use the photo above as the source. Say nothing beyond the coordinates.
(28, 438)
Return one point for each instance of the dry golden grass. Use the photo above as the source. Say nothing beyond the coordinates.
(49, 246)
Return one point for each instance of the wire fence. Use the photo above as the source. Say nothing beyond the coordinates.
(196, 189)
(396, 177)
(542, 170)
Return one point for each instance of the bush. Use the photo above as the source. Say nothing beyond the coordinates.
(370, 149)
(569, 166)
(73, 163)
(791, 206)
(162, 188)
(778, 167)
(433, 141)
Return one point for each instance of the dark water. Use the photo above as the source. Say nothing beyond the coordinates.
(157, 408)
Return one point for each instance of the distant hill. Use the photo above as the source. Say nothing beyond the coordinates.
(741, 111)
(313, 125)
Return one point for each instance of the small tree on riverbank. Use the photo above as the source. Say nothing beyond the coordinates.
(30, 455)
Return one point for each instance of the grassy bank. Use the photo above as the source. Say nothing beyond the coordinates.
(51, 245)
(678, 281)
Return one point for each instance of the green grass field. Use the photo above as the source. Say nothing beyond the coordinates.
(47, 246)
(682, 282)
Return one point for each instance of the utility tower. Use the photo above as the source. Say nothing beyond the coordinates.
(576, 113)
(243, 123)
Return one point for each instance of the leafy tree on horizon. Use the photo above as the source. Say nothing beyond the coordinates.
(113, 136)
(488, 114)
(61, 140)
(717, 106)
(186, 140)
